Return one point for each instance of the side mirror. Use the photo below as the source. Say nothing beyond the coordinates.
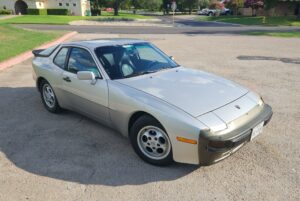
(172, 58)
(87, 75)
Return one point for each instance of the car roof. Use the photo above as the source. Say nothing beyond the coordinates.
(92, 44)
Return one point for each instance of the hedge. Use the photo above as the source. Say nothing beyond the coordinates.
(5, 12)
(34, 11)
(57, 11)
(54, 11)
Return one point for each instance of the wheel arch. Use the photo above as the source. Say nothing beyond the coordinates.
(136, 115)
(39, 81)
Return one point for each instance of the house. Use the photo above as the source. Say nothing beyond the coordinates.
(281, 8)
(76, 7)
(286, 8)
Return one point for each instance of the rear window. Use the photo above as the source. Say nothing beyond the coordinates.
(48, 51)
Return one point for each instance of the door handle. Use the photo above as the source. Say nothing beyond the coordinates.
(67, 79)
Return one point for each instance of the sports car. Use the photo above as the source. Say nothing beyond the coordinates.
(168, 112)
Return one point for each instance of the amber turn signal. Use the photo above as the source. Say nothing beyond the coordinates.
(182, 139)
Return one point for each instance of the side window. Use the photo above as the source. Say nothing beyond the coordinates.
(81, 60)
(61, 56)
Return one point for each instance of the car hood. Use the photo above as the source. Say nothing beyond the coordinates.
(195, 92)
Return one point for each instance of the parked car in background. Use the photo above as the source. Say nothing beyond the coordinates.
(207, 11)
(108, 9)
(213, 12)
(226, 11)
(169, 113)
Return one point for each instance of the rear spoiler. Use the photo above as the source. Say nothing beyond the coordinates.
(36, 53)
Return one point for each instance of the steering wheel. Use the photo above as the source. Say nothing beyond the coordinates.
(151, 65)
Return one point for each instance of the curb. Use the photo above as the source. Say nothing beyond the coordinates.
(27, 55)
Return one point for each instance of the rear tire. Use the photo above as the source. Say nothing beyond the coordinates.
(48, 97)
(150, 141)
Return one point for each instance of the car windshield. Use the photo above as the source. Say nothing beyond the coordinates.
(124, 61)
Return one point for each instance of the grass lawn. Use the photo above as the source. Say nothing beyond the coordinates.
(291, 34)
(15, 41)
(60, 19)
(260, 20)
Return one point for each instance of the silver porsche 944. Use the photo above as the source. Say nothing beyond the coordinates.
(169, 113)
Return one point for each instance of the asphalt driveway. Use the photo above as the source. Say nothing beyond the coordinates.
(44, 156)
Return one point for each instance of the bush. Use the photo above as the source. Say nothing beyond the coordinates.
(95, 12)
(34, 11)
(5, 12)
(57, 11)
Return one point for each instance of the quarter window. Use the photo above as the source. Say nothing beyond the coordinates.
(81, 60)
(61, 56)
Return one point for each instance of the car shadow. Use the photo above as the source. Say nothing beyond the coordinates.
(71, 147)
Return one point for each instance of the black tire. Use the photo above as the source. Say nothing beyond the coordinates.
(55, 108)
(139, 125)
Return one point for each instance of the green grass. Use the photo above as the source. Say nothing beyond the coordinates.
(15, 41)
(291, 34)
(260, 20)
(59, 19)
(41, 19)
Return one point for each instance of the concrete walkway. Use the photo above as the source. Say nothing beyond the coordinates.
(5, 17)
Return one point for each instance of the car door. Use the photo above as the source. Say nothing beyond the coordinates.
(83, 96)
(59, 61)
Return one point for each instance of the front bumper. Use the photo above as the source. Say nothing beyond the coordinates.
(214, 147)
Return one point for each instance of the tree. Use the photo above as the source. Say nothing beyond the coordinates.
(96, 6)
(115, 4)
(152, 4)
(270, 4)
(190, 4)
(298, 10)
(254, 4)
(203, 3)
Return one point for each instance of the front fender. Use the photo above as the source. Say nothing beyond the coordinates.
(124, 101)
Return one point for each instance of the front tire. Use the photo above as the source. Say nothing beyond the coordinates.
(48, 97)
(150, 141)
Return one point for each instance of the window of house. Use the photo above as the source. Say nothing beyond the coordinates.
(60, 4)
(74, 4)
(67, 4)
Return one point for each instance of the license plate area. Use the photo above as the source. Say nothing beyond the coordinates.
(257, 130)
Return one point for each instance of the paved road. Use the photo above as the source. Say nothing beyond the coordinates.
(69, 157)
(158, 30)
(188, 20)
